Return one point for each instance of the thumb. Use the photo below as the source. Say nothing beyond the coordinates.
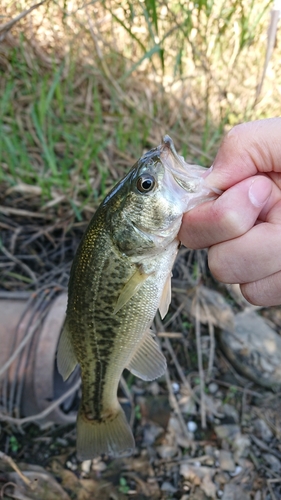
(248, 149)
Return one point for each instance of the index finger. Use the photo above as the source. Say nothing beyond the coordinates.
(248, 149)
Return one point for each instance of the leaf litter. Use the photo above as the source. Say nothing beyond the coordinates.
(230, 449)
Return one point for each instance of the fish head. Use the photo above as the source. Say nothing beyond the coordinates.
(153, 197)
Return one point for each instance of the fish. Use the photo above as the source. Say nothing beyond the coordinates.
(120, 277)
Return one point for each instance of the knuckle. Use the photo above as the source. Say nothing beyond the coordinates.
(231, 222)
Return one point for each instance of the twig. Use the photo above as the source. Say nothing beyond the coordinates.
(6, 485)
(237, 388)
(271, 39)
(103, 63)
(44, 413)
(212, 350)
(19, 262)
(200, 363)
(170, 335)
(5, 27)
(177, 312)
(20, 346)
(211, 334)
(258, 442)
(177, 365)
(14, 295)
(271, 490)
(14, 466)
(175, 405)
(23, 213)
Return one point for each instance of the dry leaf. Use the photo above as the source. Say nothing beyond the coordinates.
(200, 476)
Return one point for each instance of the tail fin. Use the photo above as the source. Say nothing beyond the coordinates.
(110, 437)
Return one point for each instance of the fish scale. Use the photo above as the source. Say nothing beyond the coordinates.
(120, 276)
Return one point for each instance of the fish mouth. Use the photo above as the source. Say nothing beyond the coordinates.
(189, 177)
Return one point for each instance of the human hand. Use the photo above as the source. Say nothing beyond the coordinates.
(243, 226)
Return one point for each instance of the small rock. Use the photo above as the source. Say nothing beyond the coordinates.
(263, 430)
(254, 349)
(166, 486)
(230, 412)
(62, 441)
(86, 466)
(209, 450)
(241, 444)
(226, 461)
(191, 426)
(227, 431)
(273, 462)
(235, 492)
(71, 466)
(213, 387)
(238, 470)
(175, 387)
(210, 455)
(154, 388)
(166, 451)
(99, 466)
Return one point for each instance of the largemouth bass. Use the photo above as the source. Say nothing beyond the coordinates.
(120, 276)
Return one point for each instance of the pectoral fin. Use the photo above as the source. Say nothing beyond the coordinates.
(130, 289)
(148, 361)
(66, 358)
(166, 297)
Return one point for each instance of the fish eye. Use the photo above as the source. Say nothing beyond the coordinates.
(145, 183)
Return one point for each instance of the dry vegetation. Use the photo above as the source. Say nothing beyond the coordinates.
(85, 88)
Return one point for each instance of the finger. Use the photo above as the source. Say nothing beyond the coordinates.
(229, 216)
(265, 292)
(248, 149)
(250, 257)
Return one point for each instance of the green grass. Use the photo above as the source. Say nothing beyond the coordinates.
(101, 83)
(50, 140)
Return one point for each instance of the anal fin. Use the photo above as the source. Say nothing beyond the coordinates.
(66, 358)
(148, 362)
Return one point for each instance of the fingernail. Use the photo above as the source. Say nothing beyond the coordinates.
(259, 191)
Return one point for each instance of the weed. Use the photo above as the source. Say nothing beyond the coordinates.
(123, 486)
(14, 445)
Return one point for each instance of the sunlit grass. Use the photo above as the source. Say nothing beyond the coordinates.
(85, 88)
